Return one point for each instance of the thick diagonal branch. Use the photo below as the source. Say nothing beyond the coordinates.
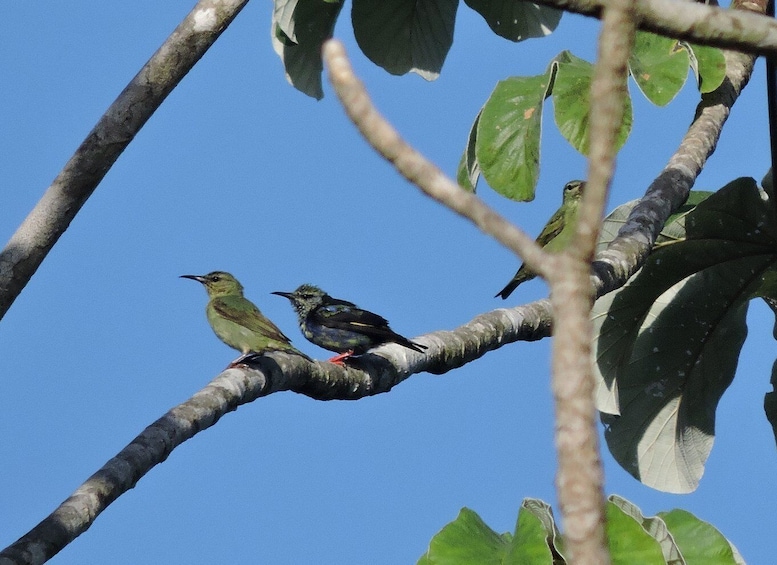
(377, 373)
(52, 215)
(626, 254)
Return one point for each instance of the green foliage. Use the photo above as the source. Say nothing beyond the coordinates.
(699, 542)
(506, 139)
(675, 538)
(708, 65)
(517, 21)
(572, 101)
(299, 28)
(401, 36)
(659, 66)
(667, 343)
(504, 142)
(405, 35)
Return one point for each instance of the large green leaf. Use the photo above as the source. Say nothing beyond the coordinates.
(517, 20)
(572, 101)
(629, 542)
(467, 540)
(673, 538)
(507, 145)
(709, 66)
(654, 526)
(299, 28)
(668, 342)
(700, 543)
(405, 35)
(544, 513)
(674, 229)
(659, 66)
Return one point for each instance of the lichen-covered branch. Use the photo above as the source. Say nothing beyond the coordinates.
(626, 254)
(376, 372)
(693, 21)
(51, 216)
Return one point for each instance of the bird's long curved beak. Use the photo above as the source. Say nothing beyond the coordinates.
(288, 295)
(197, 278)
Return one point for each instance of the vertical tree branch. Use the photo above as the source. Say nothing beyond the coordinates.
(580, 477)
(116, 129)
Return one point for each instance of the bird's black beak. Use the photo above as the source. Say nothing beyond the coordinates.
(197, 278)
(288, 295)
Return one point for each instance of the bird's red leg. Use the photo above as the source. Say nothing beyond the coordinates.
(338, 359)
(240, 360)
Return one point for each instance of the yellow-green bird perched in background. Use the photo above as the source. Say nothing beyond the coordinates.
(556, 234)
(237, 321)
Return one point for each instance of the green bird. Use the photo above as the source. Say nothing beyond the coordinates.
(556, 234)
(237, 321)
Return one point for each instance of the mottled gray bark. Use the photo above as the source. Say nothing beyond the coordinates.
(52, 215)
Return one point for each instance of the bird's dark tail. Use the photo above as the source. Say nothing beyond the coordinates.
(508, 290)
(520, 277)
(403, 341)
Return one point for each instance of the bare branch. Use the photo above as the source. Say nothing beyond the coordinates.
(699, 23)
(118, 126)
(376, 372)
(417, 169)
(580, 476)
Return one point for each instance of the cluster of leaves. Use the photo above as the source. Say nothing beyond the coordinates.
(676, 537)
(667, 344)
(401, 36)
(504, 141)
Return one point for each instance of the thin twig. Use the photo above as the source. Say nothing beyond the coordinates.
(417, 169)
(51, 216)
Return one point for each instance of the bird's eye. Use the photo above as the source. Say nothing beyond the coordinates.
(215, 278)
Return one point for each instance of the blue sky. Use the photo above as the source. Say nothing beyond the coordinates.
(238, 171)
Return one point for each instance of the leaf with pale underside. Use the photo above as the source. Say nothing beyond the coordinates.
(668, 342)
(655, 527)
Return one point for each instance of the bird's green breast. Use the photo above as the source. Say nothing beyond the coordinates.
(233, 334)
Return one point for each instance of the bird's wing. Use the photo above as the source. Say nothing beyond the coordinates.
(241, 311)
(552, 228)
(343, 315)
(347, 316)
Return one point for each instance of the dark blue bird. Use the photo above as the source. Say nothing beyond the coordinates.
(341, 326)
